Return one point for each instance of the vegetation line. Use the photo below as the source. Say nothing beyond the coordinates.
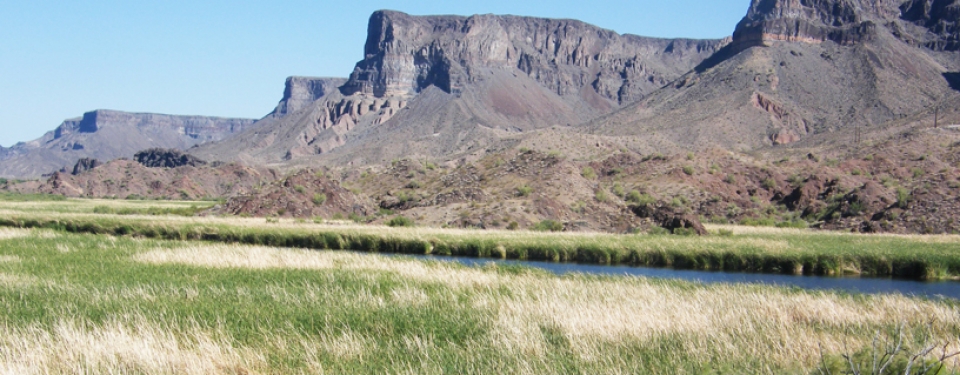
(810, 254)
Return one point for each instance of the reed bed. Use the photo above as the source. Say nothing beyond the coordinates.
(760, 250)
(136, 305)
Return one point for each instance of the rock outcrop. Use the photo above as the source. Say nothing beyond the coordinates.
(808, 21)
(405, 54)
(938, 19)
(302, 91)
(85, 164)
(107, 135)
(440, 86)
(165, 158)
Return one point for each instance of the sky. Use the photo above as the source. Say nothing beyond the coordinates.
(59, 59)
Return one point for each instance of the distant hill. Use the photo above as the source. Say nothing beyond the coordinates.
(106, 135)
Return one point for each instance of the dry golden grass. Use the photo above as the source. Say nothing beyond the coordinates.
(736, 322)
(10, 233)
(120, 348)
(261, 257)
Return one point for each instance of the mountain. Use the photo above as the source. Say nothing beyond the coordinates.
(804, 73)
(440, 86)
(106, 135)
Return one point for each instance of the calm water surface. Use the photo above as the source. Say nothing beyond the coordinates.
(945, 289)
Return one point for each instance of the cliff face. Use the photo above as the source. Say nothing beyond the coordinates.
(405, 54)
(302, 91)
(106, 135)
(939, 20)
(929, 23)
(454, 83)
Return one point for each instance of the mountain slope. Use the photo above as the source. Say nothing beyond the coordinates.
(107, 135)
(466, 80)
(795, 71)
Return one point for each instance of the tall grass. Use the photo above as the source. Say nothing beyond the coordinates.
(132, 305)
(761, 250)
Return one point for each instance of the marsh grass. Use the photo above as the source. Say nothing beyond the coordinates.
(134, 305)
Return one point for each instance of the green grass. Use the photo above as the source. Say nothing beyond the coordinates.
(766, 250)
(85, 303)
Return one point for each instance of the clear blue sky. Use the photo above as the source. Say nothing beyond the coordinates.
(59, 59)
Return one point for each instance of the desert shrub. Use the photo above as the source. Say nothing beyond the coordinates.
(4, 181)
(601, 195)
(618, 190)
(548, 226)
(725, 233)
(903, 197)
(684, 231)
(317, 220)
(690, 156)
(319, 199)
(300, 189)
(588, 173)
(413, 185)
(917, 172)
(401, 221)
(513, 225)
(429, 165)
(769, 184)
(524, 190)
(796, 181)
(730, 179)
(640, 199)
(658, 231)
(689, 170)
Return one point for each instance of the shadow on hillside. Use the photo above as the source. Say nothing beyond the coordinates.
(953, 79)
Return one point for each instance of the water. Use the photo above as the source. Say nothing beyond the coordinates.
(944, 289)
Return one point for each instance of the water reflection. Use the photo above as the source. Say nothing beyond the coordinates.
(945, 289)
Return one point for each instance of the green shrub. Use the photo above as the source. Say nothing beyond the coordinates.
(588, 173)
(400, 221)
(300, 189)
(524, 190)
(513, 225)
(317, 220)
(769, 184)
(658, 231)
(3, 181)
(903, 197)
(413, 185)
(725, 233)
(548, 226)
(684, 231)
(689, 170)
(690, 156)
(640, 199)
(796, 181)
(618, 190)
(319, 199)
(730, 179)
(319, 174)
(917, 172)
(601, 196)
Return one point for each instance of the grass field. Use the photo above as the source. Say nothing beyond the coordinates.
(85, 303)
(769, 250)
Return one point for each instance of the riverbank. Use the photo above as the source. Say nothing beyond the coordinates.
(103, 303)
(740, 249)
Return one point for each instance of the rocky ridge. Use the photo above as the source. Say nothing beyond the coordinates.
(107, 135)
(468, 80)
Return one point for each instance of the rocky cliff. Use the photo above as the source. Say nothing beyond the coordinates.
(438, 86)
(405, 54)
(937, 20)
(106, 135)
(302, 91)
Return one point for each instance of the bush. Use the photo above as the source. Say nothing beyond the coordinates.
(601, 196)
(524, 191)
(684, 231)
(548, 226)
(319, 199)
(3, 181)
(730, 179)
(588, 173)
(618, 190)
(513, 225)
(769, 184)
(640, 199)
(400, 221)
(413, 185)
(903, 197)
(300, 189)
(689, 170)
(917, 172)
(658, 231)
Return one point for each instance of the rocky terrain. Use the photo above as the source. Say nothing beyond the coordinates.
(839, 114)
(446, 86)
(106, 135)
